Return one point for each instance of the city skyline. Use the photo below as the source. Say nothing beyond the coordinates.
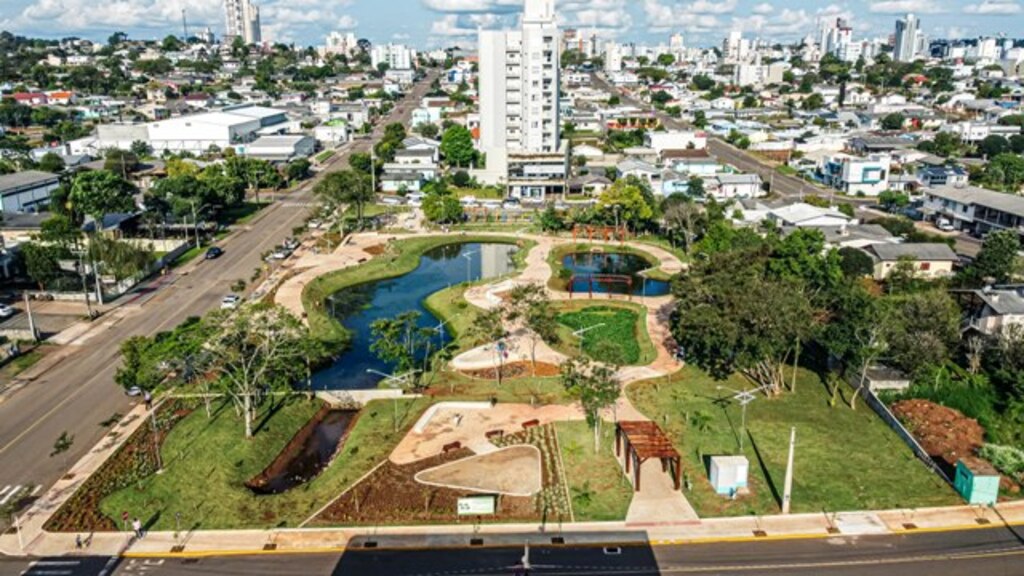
(441, 23)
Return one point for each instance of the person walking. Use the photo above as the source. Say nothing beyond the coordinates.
(148, 399)
(137, 527)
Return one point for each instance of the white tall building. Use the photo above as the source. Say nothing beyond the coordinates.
(339, 43)
(520, 128)
(735, 48)
(612, 58)
(396, 56)
(243, 21)
(909, 39)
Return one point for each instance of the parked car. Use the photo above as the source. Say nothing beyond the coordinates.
(291, 244)
(230, 302)
(214, 252)
(6, 311)
(944, 225)
(280, 253)
(315, 224)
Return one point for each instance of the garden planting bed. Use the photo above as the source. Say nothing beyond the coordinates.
(132, 462)
(514, 370)
(553, 499)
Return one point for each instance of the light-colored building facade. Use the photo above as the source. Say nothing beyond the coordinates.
(867, 176)
(519, 103)
(909, 39)
(243, 21)
(396, 56)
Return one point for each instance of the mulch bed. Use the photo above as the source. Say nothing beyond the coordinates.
(514, 370)
(376, 249)
(946, 434)
(391, 495)
(132, 462)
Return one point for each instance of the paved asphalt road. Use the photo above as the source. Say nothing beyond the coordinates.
(785, 186)
(79, 393)
(992, 552)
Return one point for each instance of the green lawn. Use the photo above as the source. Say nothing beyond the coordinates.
(622, 339)
(479, 193)
(323, 156)
(18, 365)
(597, 485)
(206, 462)
(845, 459)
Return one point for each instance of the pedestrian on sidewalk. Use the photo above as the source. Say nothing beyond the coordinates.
(78, 541)
(137, 527)
(148, 399)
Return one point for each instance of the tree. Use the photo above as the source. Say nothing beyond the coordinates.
(685, 220)
(442, 208)
(141, 149)
(345, 188)
(404, 345)
(595, 386)
(924, 329)
(725, 329)
(700, 119)
(993, 146)
(893, 121)
(461, 179)
(945, 144)
(490, 328)
(122, 162)
(134, 371)
(666, 60)
(457, 146)
(1005, 172)
(257, 350)
(427, 130)
(298, 170)
(998, 257)
(101, 192)
(529, 304)
(855, 263)
(626, 200)
(551, 220)
(42, 262)
(813, 102)
(361, 162)
(120, 259)
(51, 162)
(893, 200)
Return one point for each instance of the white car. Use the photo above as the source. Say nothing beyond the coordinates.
(230, 302)
(945, 225)
(6, 311)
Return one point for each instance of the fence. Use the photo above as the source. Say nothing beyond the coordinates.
(890, 419)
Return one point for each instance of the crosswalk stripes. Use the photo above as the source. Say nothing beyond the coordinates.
(4, 490)
(10, 494)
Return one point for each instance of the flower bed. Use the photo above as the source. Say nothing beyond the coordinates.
(553, 500)
(132, 462)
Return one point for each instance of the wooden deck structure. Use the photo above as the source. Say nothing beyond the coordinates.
(638, 442)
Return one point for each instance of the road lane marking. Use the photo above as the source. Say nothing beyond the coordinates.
(4, 491)
(36, 489)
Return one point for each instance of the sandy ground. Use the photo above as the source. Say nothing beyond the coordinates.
(514, 471)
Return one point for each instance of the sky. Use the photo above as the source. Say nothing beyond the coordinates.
(441, 23)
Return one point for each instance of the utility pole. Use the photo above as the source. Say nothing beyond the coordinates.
(787, 493)
(31, 319)
(85, 286)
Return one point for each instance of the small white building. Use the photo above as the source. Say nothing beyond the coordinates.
(929, 261)
(281, 148)
(738, 186)
(857, 176)
(676, 140)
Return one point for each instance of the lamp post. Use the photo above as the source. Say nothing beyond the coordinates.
(195, 219)
(579, 334)
(469, 262)
(441, 325)
(394, 382)
(743, 397)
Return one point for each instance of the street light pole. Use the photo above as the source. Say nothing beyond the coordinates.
(788, 489)
(395, 382)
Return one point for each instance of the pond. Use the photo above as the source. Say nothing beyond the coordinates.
(308, 453)
(587, 266)
(359, 306)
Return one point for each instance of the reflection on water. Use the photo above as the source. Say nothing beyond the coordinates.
(587, 266)
(359, 306)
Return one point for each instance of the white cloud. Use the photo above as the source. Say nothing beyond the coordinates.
(906, 6)
(995, 7)
(787, 23)
(664, 18)
(471, 6)
(347, 22)
(763, 8)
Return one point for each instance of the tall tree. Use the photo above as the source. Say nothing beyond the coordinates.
(405, 345)
(258, 350)
(595, 386)
(346, 188)
(457, 146)
(101, 192)
(529, 304)
(998, 259)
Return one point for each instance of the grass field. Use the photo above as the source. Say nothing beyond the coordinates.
(622, 339)
(206, 462)
(845, 459)
(323, 156)
(597, 486)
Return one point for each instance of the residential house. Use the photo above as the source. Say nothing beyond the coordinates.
(850, 236)
(418, 143)
(640, 169)
(737, 186)
(975, 210)
(929, 260)
(857, 176)
(281, 148)
(676, 140)
(939, 176)
(990, 310)
(592, 185)
(803, 215)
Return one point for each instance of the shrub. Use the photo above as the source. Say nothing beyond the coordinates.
(1007, 459)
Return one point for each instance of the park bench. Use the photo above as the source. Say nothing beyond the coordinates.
(531, 424)
(452, 446)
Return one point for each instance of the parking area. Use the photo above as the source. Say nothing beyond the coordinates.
(50, 317)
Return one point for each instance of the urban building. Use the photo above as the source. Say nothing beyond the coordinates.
(975, 210)
(339, 43)
(909, 39)
(243, 21)
(867, 176)
(520, 124)
(27, 191)
(396, 56)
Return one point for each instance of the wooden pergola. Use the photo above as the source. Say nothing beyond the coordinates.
(643, 440)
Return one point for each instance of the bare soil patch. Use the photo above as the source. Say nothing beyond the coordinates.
(946, 434)
(514, 370)
(514, 471)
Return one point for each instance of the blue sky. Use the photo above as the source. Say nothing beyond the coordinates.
(434, 23)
